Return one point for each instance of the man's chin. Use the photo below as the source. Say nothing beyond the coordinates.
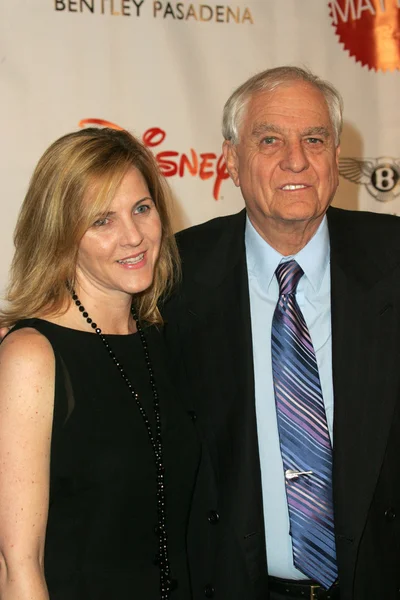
(301, 212)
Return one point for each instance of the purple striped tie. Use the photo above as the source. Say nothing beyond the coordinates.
(303, 433)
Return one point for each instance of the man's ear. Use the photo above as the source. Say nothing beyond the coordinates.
(231, 160)
(337, 155)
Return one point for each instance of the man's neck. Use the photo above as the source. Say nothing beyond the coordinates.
(287, 237)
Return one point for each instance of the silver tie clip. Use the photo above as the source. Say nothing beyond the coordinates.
(290, 474)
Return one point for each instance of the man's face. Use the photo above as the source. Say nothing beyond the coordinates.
(286, 162)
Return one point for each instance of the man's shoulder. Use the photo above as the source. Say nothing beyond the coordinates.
(362, 226)
(358, 237)
(364, 219)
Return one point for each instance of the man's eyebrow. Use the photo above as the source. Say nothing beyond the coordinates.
(324, 131)
(260, 128)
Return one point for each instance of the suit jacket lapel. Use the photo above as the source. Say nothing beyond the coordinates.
(365, 381)
(221, 368)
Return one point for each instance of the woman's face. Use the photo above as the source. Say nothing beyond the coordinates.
(118, 253)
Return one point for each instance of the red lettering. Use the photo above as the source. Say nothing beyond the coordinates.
(167, 167)
(153, 137)
(168, 161)
(222, 174)
(205, 164)
(191, 166)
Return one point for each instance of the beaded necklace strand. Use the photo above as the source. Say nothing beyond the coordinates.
(162, 559)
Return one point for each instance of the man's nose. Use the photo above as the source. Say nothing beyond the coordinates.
(294, 157)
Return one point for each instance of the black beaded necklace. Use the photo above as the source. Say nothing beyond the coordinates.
(166, 584)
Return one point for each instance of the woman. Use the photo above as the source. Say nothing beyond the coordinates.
(94, 488)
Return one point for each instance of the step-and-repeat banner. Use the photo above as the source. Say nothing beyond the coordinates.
(163, 70)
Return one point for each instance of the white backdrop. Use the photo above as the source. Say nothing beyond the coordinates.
(163, 70)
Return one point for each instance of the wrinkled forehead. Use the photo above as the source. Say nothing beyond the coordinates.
(288, 105)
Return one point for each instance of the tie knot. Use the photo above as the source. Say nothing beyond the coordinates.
(288, 275)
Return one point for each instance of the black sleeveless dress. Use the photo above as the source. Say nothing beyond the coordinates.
(101, 541)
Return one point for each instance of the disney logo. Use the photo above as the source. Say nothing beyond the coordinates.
(205, 165)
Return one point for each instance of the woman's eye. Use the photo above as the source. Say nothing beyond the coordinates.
(100, 222)
(142, 208)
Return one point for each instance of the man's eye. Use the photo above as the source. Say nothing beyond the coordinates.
(268, 140)
(313, 140)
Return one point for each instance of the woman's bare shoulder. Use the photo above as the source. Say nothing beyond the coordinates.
(26, 342)
(26, 360)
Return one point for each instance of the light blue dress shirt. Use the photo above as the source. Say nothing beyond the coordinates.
(313, 297)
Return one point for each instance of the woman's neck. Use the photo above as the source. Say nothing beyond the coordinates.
(111, 314)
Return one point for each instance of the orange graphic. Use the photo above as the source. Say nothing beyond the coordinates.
(369, 31)
(100, 122)
(204, 165)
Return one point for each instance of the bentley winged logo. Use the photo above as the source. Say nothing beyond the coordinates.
(381, 176)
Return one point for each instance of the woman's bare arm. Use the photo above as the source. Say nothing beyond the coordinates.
(27, 372)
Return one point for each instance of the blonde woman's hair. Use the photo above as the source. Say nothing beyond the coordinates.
(54, 217)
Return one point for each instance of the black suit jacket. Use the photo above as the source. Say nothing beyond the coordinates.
(209, 334)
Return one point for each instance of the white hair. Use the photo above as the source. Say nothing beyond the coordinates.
(267, 81)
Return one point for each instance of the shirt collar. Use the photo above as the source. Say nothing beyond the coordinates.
(262, 259)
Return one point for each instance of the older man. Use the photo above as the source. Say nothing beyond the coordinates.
(287, 329)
